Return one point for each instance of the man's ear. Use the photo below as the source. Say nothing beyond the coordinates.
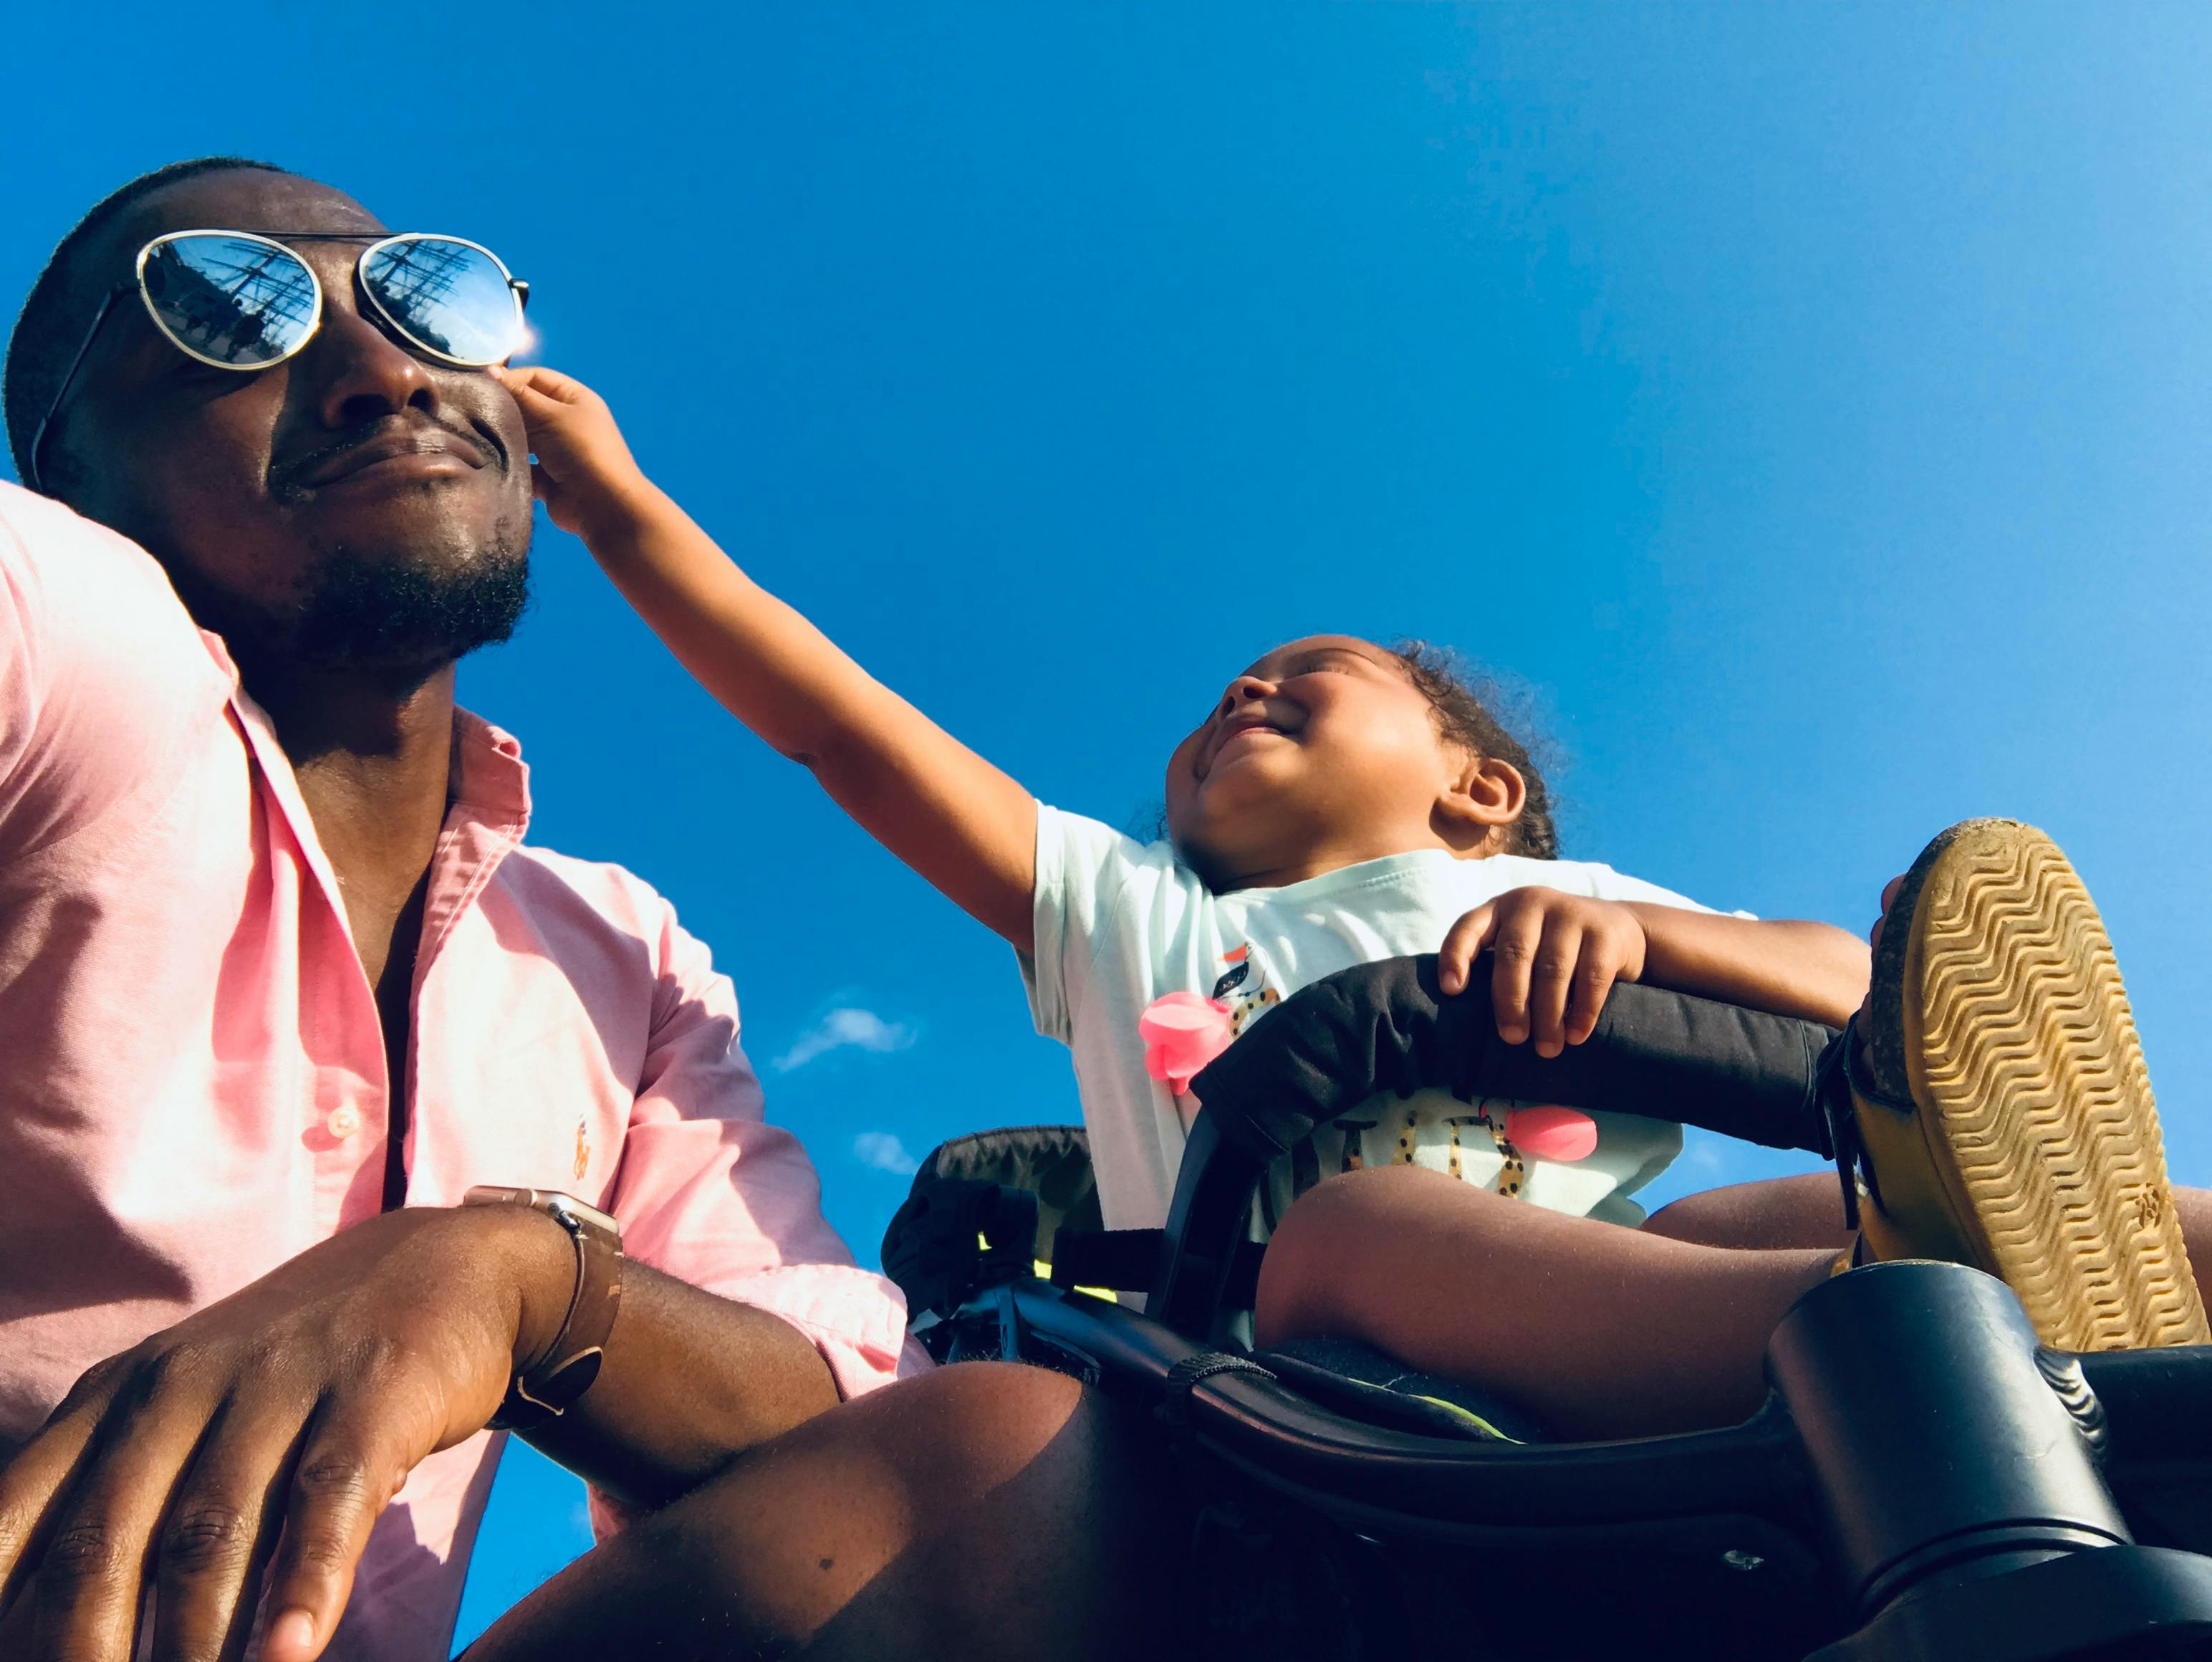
(1479, 805)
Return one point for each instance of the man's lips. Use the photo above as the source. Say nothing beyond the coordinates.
(422, 452)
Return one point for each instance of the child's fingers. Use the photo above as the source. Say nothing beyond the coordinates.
(1888, 899)
(1465, 939)
(1513, 947)
(1550, 980)
(1592, 985)
(536, 380)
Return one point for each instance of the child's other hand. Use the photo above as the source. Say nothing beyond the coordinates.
(584, 472)
(1554, 958)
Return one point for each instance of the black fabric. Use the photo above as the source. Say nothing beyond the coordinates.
(931, 1248)
(1356, 1379)
(954, 1235)
(1123, 1259)
(1388, 1026)
(1128, 1261)
(1174, 1407)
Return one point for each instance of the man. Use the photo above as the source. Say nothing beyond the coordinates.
(254, 877)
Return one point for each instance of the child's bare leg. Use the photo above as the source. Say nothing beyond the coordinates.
(1602, 1332)
(1807, 1212)
(1804, 1211)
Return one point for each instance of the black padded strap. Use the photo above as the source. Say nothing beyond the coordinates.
(1128, 1261)
(1175, 1407)
(1125, 1260)
(1388, 1026)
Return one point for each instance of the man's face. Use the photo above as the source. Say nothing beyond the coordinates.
(356, 506)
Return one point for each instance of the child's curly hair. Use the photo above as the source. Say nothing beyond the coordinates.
(1461, 697)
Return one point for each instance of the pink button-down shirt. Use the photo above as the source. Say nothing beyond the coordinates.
(193, 1082)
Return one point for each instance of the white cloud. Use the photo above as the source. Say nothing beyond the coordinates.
(884, 1152)
(845, 1028)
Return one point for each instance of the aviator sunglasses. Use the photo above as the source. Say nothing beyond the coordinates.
(237, 300)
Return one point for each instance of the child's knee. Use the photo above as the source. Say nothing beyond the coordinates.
(1315, 1253)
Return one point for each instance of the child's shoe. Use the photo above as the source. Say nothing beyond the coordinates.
(2003, 1112)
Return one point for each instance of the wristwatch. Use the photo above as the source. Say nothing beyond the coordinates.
(547, 1385)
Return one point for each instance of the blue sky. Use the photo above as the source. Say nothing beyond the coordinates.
(1809, 405)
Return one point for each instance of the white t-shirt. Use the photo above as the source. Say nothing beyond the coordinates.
(1121, 922)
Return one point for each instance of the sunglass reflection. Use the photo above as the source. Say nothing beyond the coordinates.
(231, 301)
(448, 295)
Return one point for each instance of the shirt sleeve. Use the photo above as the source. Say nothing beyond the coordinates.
(711, 1193)
(104, 678)
(1602, 882)
(1082, 869)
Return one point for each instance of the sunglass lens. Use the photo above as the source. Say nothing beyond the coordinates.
(449, 296)
(230, 299)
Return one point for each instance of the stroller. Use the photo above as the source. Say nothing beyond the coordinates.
(1924, 1484)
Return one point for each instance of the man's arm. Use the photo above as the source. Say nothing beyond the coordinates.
(293, 1411)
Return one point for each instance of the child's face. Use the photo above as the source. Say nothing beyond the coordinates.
(1323, 753)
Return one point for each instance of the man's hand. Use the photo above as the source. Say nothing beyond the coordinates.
(585, 474)
(264, 1434)
(1554, 958)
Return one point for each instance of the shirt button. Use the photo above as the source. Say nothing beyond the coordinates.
(343, 1123)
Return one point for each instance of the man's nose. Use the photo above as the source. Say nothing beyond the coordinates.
(362, 372)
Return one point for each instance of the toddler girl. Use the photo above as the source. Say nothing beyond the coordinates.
(1340, 802)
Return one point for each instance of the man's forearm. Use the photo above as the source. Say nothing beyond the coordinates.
(689, 1380)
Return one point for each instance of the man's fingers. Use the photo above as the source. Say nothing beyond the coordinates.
(346, 1473)
(1550, 979)
(92, 1569)
(43, 1470)
(1513, 956)
(220, 1534)
(1455, 958)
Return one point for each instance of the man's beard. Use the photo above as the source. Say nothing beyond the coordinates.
(395, 620)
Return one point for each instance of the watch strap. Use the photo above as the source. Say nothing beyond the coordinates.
(547, 1385)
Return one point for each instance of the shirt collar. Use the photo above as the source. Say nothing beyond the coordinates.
(489, 775)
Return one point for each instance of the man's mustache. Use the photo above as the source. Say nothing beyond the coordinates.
(295, 476)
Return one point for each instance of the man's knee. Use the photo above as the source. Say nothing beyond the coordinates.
(981, 1510)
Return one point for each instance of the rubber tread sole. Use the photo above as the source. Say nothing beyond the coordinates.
(1999, 1010)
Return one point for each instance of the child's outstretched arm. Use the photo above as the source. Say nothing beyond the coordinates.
(961, 822)
(1555, 957)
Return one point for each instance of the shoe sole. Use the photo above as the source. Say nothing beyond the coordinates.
(2017, 1045)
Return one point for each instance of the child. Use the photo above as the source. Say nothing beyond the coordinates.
(1342, 802)
(1998, 1092)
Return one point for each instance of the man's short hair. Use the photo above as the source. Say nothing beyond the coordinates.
(47, 331)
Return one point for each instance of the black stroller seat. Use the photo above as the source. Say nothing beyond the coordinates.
(1924, 1481)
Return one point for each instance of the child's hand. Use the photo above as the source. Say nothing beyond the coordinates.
(584, 473)
(1555, 958)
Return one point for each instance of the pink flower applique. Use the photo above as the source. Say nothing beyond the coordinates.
(1183, 1033)
(1553, 1133)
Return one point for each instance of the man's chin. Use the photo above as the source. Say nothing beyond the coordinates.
(364, 612)
(397, 617)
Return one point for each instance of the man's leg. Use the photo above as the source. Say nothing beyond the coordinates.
(979, 1512)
